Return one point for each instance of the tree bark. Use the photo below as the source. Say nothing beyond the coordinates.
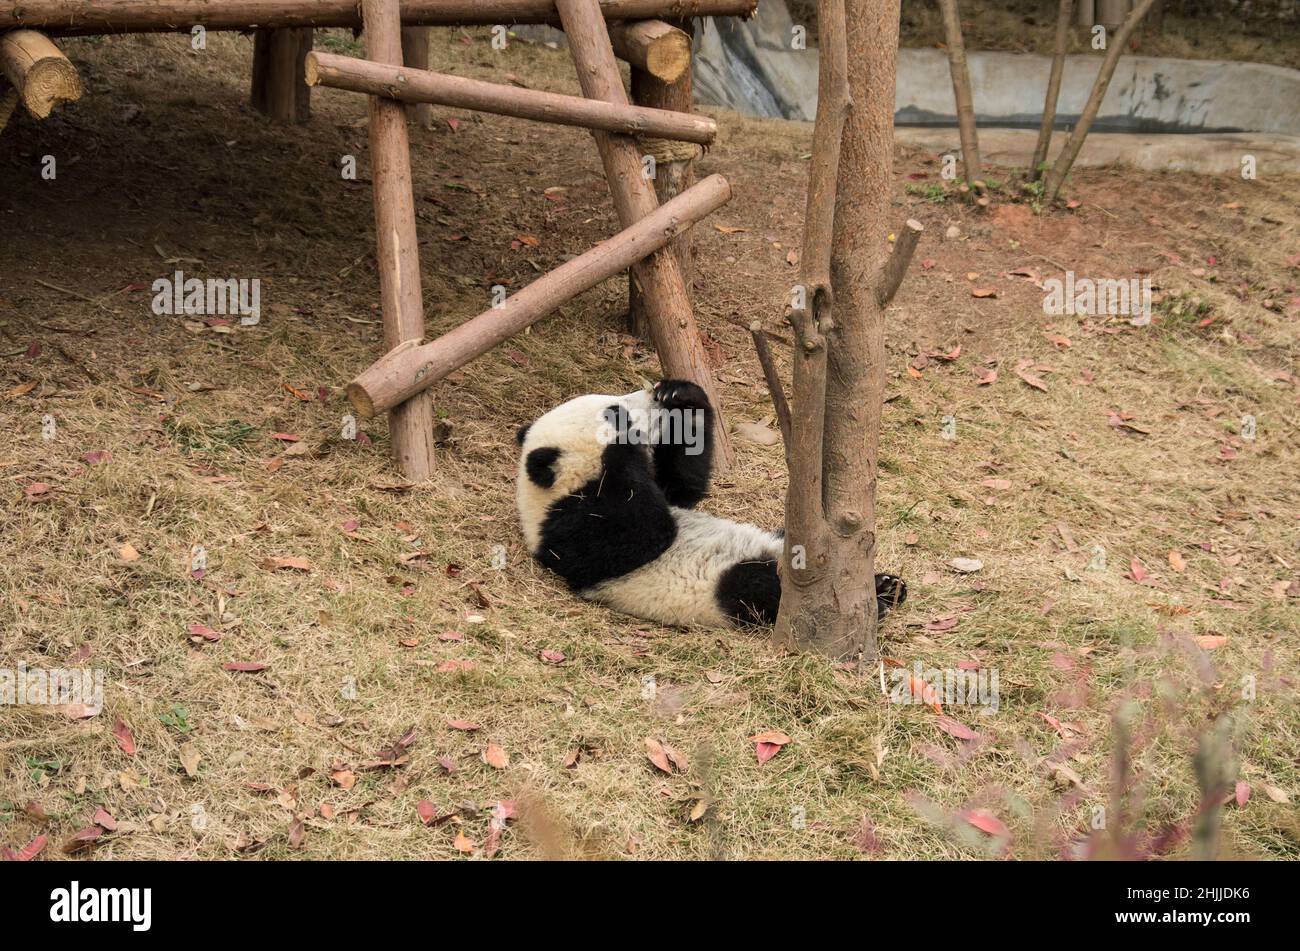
(674, 171)
(828, 600)
(415, 55)
(412, 368)
(1063, 16)
(1114, 50)
(80, 17)
(672, 322)
(422, 86)
(38, 71)
(961, 89)
(410, 424)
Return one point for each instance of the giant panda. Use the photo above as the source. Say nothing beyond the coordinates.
(606, 490)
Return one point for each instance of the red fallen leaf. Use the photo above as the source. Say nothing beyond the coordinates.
(657, 755)
(1241, 793)
(83, 839)
(940, 624)
(36, 490)
(350, 526)
(96, 457)
(552, 657)
(463, 844)
(985, 821)
(290, 564)
(33, 350)
(28, 851)
(866, 840)
(496, 757)
(427, 811)
(1053, 722)
(104, 819)
(454, 124)
(504, 810)
(447, 763)
(284, 437)
(917, 687)
(297, 832)
(344, 778)
(243, 666)
(205, 632)
(987, 377)
(956, 728)
(983, 292)
(1177, 561)
(1227, 453)
(464, 725)
(1000, 484)
(948, 357)
(927, 263)
(453, 636)
(768, 744)
(1137, 572)
(1210, 641)
(1030, 380)
(125, 738)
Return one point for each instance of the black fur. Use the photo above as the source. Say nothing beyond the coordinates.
(522, 433)
(750, 592)
(538, 465)
(613, 525)
(683, 477)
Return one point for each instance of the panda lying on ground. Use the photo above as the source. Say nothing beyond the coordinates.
(606, 491)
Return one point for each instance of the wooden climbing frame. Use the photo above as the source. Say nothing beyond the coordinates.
(655, 215)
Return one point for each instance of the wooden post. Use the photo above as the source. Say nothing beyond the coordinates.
(415, 55)
(1063, 14)
(653, 46)
(8, 103)
(1111, 13)
(81, 17)
(412, 367)
(417, 85)
(41, 75)
(410, 425)
(1087, 13)
(970, 149)
(674, 171)
(278, 89)
(668, 305)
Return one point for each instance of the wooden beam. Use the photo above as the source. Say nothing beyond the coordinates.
(674, 168)
(416, 85)
(39, 71)
(79, 17)
(668, 305)
(411, 368)
(278, 89)
(410, 425)
(656, 47)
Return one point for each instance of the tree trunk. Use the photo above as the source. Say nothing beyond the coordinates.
(1114, 50)
(970, 148)
(829, 605)
(1036, 166)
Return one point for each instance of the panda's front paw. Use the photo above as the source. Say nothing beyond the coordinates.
(890, 593)
(680, 394)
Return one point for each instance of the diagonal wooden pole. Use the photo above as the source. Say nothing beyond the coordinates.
(663, 288)
(410, 425)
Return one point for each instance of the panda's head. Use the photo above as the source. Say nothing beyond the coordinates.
(564, 450)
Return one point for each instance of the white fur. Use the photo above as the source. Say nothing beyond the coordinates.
(679, 587)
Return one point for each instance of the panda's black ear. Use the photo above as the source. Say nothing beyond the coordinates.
(539, 466)
(523, 433)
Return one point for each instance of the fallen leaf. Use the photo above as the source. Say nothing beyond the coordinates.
(190, 756)
(657, 755)
(956, 728)
(243, 666)
(128, 553)
(1274, 793)
(966, 565)
(82, 839)
(496, 757)
(1030, 380)
(463, 725)
(291, 564)
(463, 844)
(1241, 793)
(985, 821)
(1177, 561)
(125, 738)
(1210, 641)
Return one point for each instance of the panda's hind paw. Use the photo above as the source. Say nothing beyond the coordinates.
(680, 394)
(890, 592)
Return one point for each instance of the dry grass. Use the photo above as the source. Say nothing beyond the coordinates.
(202, 178)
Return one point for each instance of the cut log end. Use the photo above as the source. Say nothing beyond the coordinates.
(361, 401)
(668, 57)
(39, 71)
(311, 70)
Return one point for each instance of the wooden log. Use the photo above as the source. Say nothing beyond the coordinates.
(411, 367)
(674, 171)
(415, 85)
(415, 55)
(668, 306)
(79, 17)
(278, 89)
(658, 48)
(410, 425)
(38, 71)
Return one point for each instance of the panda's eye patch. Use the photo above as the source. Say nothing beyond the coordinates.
(538, 466)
